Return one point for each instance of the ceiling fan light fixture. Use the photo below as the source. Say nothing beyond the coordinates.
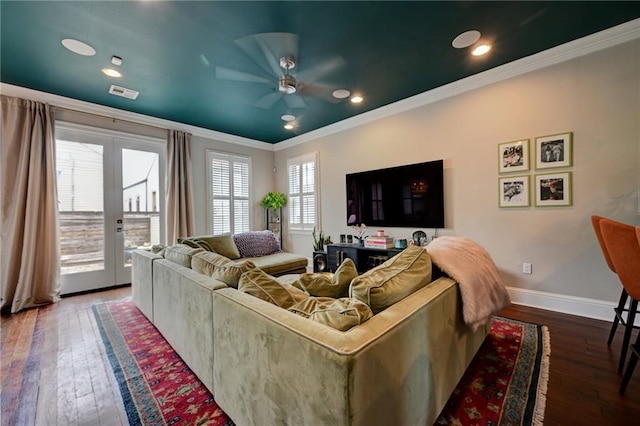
(287, 84)
(287, 63)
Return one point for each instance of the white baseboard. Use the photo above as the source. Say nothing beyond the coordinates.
(581, 306)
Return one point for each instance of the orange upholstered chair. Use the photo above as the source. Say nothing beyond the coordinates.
(635, 348)
(619, 310)
(622, 244)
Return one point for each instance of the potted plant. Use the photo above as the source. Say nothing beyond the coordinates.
(320, 240)
(274, 200)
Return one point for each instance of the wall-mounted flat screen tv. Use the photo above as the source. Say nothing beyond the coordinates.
(404, 196)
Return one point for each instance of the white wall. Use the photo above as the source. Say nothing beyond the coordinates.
(262, 178)
(597, 97)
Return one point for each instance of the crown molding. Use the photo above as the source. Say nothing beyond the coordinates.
(571, 50)
(118, 114)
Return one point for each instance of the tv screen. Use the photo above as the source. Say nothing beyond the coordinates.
(404, 196)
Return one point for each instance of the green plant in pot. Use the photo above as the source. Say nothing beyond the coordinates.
(320, 240)
(274, 200)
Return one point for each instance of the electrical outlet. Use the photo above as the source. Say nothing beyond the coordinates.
(526, 268)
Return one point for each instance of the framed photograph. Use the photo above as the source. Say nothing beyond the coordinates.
(553, 189)
(514, 191)
(554, 151)
(513, 156)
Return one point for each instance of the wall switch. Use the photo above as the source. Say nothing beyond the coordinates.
(526, 268)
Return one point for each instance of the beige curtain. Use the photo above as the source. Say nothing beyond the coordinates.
(180, 221)
(29, 247)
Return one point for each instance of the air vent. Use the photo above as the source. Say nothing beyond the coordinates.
(123, 91)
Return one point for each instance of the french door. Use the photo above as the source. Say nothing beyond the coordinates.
(110, 201)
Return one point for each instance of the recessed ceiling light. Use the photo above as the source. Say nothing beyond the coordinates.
(78, 47)
(341, 93)
(357, 99)
(111, 72)
(466, 39)
(288, 117)
(481, 49)
(288, 126)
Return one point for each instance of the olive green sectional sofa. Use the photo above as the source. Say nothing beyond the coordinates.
(267, 365)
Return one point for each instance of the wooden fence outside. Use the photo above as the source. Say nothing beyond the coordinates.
(82, 235)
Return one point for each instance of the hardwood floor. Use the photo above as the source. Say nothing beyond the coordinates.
(54, 369)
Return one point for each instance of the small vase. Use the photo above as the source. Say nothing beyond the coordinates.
(361, 242)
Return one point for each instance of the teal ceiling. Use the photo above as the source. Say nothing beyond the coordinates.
(387, 51)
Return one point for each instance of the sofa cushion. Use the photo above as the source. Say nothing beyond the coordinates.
(205, 262)
(263, 286)
(393, 280)
(327, 284)
(256, 243)
(341, 314)
(230, 273)
(280, 263)
(181, 254)
(195, 242)
(222, 244)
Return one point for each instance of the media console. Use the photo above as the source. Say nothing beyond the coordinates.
(364, 258)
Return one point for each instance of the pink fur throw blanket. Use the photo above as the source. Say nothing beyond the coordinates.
(483, 293)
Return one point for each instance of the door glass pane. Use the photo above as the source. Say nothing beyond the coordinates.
(80, 203)
(141, 198)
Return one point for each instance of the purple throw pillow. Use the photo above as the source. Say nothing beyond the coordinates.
(256, 243)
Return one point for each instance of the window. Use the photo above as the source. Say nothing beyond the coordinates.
(303, 192)
(229, 207)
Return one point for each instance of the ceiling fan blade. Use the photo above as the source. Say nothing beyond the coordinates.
(270, 56)
(223, 73)
(320, 90)
(324, 67)
(268, 100)
(295, 101)
(266, 49)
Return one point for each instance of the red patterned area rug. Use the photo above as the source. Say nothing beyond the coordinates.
(504, 385)
(157, 387)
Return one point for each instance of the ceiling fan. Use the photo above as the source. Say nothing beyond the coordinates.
(277, 55)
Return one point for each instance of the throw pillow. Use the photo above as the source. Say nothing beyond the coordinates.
(195, 242)
(263, 286)
(230, 273)
(256, 243)
(180, 254)
(205, 262)
(326, 284)
(394, 280)
(341, 314)
(222, 244)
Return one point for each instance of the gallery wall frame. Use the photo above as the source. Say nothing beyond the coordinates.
(553, 189)
(554, 151)
(514, 191)
(513, 156)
